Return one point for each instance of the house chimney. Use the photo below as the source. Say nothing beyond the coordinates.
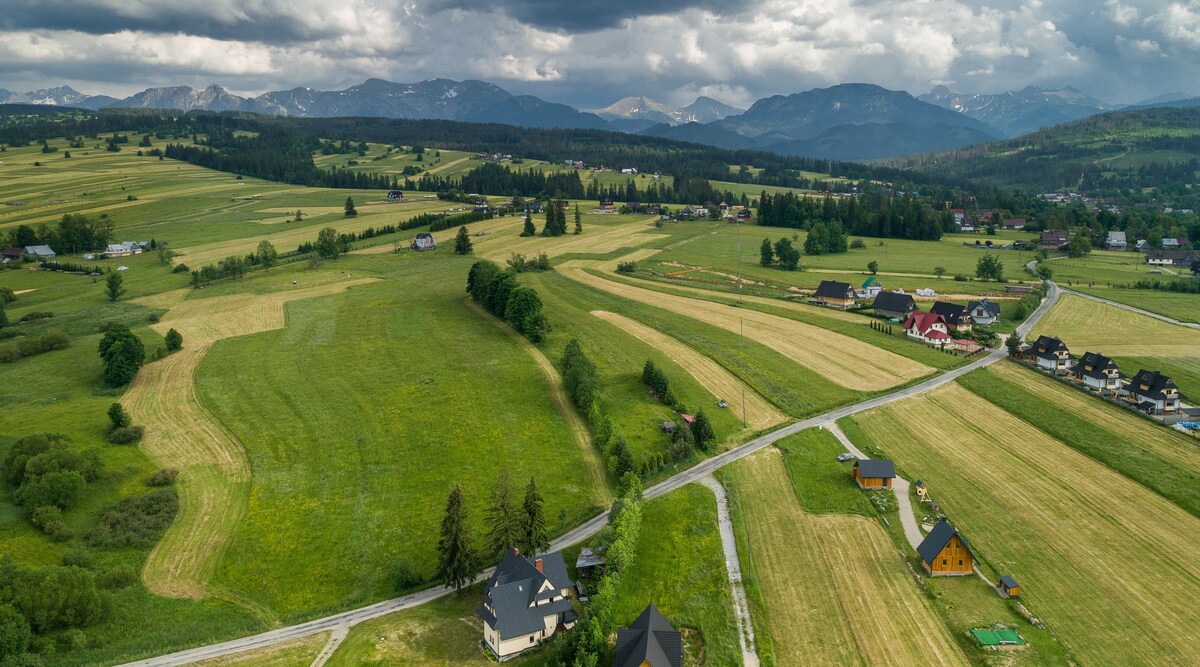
(538, 564)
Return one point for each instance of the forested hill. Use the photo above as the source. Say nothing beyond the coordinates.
(1113, 154)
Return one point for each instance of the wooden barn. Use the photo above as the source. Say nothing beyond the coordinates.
(874, 473)
(835, 294)
(945, 553)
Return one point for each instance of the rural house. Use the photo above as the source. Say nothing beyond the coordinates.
(525, 602)
(1115, 241)
(424, 241)
(1175, 242)
(957, 317)
(395, 196)
(1014, 224)
(40, 252)
(650, 641)
(945, 553)
(928, 328)
(1051, 354)
(873, 473)
(894, 304)
(1153, 392)
(1179, 258)
(1098, 372)
(983, 312)
(1053, 239)
(835, 294)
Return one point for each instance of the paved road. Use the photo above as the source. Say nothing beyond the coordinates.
(733, 564)
(592, 526)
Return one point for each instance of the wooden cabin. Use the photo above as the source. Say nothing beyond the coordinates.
(945, 553)
(835, 294)
(1009, 587)
(874, 473)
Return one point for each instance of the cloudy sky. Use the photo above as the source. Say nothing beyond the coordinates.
(591, 52)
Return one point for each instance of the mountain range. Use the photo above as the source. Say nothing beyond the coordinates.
(846, 122)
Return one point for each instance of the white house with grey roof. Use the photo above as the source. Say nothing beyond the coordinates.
(525, 603)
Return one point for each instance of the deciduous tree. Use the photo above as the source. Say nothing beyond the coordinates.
(267, 255)
(114, 286)
(327, 243)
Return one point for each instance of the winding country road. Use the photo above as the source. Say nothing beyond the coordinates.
(345, 620)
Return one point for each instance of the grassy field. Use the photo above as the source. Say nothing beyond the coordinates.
(1090, 547)
(834, 587)
(296, 653)
(1135, 341)
(1182, 307)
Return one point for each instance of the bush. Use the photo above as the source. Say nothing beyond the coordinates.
(53, 339)
(126, 435)
(174, 340)
(180, 268)
(37, 316)
(121, 576)
(404, 577)
(9, 354)
(14, 633)
(857, 244)
(52, 597)
(164, 477)
(49, 519)
(79, 558)
(626, 267)
(136, 521)
(960, 277)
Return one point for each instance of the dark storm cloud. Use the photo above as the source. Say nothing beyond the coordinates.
(584, 16)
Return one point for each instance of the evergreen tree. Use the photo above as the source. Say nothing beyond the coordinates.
(551, 220)
(621, 458)
(114, 286)
(578, 220)
(534, 538)
(528, 229)
(702, 430)
(765, 253)
(1013, 344)
(462, 242)
(457, 564)
(503, 523)
(350, 211)
(123, 354)
(118, 417)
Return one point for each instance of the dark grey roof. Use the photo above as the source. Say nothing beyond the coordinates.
(1155, 382)
(937, 539)
(894, 301)
(1046, 346)
(1175, 256)
(1093, 365)
(649, 639)
(515, 585)
(1008, 581)
(834, 289)
(875, 468)
(951, 311)
(990, 307)
(590, 558)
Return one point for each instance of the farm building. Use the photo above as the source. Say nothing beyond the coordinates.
(525, 602)
(1051, 354)
(1009, 587)
(1053, 239)
(1175, 242)
(650, 641)
(40, 252)
(395, 196)
(870, 289)
(12, 254)
(894, 304)
(424, 241)
(1014, 224)
(1116, 241)
(744, 214)
(1098, 372)
(957, 317)
(873, 473)
(1179, 258)
(984, 312)
(928, 328)
(945, 553)
(1154, 392)
(122, 249)
(835, 294)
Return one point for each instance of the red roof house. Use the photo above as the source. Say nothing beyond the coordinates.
(928, 328)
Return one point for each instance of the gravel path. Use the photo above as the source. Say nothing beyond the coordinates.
(900, 487)
(741, 607)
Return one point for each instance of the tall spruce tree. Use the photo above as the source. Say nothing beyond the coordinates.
(503, 523)
(528, 229)
(578, 221)
(703, 431)
(462, 242)
(766, 253)
(534, 538)
(457, 563)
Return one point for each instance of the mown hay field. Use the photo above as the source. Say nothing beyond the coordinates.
(601, 234)
(1107, 564)
(295, 653)
(846, 361)
(836, 591)
(759, 413)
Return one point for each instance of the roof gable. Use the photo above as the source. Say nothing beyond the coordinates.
(950, 311)
(894, 301)
(990, 307)
(835, 290)
(875, 468)
(649, 639)
(937, 539)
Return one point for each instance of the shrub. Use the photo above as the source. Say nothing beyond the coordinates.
(626, 267)
(121, 576)
(857, 244)
(7, 295)
(180, 268)
(37, 316)
(126, 435)
(9, 354)
(404, 577)
(14, 633)
(79, 558)
(152, 318)
(118, 417)
(164, 477)
(962, 278)
(174, 340)
(52, 597)
(136, 521)
(53, 339)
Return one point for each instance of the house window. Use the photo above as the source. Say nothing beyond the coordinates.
(945, 562)
(960, 562)
(530, 639)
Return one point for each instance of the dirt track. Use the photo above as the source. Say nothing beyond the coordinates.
(846, 361)
(214, 474)
(719, 382)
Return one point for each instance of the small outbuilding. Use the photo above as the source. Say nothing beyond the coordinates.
(1009, 588)
(589, 561)
(873, 473)
(945, 553)
(650, 641)
(424, 241)
(40, 252)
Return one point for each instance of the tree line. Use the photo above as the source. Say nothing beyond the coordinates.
(874, 213)
(498, 292)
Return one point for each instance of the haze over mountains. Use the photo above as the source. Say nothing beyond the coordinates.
(846, 122)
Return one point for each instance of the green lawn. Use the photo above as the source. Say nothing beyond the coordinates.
(1182, 307)
(822, 483)
(680, 567)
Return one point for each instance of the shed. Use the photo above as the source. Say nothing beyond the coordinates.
(873, 473)
(1009, 587)
(945, 553)
(588, 562)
